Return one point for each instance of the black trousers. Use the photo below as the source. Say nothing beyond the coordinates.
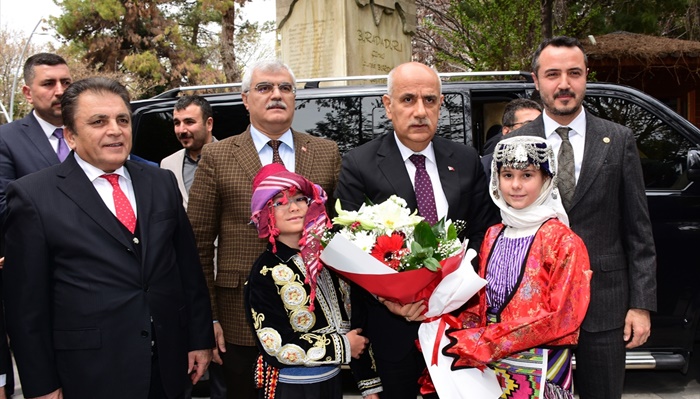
(600, 365)
(239, 371)
(400, 376)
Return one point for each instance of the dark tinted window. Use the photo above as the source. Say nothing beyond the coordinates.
(662, 149)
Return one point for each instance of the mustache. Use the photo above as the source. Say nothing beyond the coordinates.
(565, 93)
(276, 104)
(423, 121)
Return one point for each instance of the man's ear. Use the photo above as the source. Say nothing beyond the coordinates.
(386, 100)
(69, 136)
(244, 97)
(27, 94)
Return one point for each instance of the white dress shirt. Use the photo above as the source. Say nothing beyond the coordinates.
(286, 148)
(104, 188)
(577, 137)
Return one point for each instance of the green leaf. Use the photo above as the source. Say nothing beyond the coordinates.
(431, 264)
(423, 234)
(452, 232)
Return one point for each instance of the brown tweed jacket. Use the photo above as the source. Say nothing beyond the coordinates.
(219, 206)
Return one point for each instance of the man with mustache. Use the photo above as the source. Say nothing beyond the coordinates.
(219, 206)
(392, 164)
(36, 141)
(605, 199)
(193, 120)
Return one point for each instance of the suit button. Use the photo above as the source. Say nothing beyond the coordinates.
(144, 334)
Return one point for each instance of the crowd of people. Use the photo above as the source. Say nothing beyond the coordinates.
(125, 280)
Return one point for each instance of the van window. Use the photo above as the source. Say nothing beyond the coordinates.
(662, 149)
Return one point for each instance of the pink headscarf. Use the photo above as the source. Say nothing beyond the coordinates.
(270, 181)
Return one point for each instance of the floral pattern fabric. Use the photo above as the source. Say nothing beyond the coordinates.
(546, 308)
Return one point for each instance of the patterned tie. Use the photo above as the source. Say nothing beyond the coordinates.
(125, 213)
(566, 170)
(63, 149)
(424, 190)
(275, 144)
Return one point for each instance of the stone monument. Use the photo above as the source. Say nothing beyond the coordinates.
(333, 38)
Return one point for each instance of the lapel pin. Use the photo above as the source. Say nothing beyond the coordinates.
(136, 241)
(450, 168)
(606, 140)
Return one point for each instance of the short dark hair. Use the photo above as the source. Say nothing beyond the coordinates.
(40, 59)
(187, 100)
(69, 100)
(557, 41)
(516, 105)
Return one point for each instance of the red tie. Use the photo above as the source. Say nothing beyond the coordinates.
(125, 213)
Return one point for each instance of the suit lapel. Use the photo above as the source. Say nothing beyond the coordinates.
(391, 165)
(75, 185)
(594, 153)
(243, 150)
(303, 154)
(449, 176)
(33, 131)
(143, 185)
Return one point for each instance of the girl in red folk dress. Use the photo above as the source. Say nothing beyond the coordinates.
(526, 321)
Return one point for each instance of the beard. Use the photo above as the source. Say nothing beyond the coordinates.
(573, 106)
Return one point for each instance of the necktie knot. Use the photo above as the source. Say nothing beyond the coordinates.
(418, 160)
(58, 133)
(276, 158)
(113, 179)
(563, 132)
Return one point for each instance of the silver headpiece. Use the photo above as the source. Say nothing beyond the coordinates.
(519, 152)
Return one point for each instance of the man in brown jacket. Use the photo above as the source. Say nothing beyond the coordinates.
(219, 205)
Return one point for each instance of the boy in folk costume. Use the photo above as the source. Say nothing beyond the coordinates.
(300, 312)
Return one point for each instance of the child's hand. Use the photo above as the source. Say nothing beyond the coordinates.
(358, 343)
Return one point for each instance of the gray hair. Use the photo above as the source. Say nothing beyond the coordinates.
(265, 66)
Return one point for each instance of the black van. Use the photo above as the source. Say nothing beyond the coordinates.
(669, 148)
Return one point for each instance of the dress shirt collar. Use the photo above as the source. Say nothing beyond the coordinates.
(45, 126)
(94, 173)
(260, 140)
(406, 152)
(578, 125)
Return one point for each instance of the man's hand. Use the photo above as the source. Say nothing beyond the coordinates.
(220, 343)
(2, 262)
(372, 396)
(57, 394)
(197, 363)
(411, 312)
(637, 327)
(358, 343)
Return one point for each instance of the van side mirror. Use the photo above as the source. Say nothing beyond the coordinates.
(694, 164)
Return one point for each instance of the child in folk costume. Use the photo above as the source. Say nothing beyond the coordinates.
(527, 319)
(300, 312)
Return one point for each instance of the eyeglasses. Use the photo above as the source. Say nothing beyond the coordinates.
(523, 123)
(267, 87)
(284, 203)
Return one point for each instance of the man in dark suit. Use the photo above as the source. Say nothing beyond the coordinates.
(104, 293)
(219, 206)
(383, 167)
(29, 144)
(607, 208)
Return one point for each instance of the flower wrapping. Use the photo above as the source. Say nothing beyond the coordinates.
(452, 291)
(377, 278)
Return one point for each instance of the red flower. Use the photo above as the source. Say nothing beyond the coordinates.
(390, 249)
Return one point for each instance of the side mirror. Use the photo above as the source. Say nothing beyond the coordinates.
(694, 164)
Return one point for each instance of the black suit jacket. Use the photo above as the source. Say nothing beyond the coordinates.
(376, 170)
(609, 212)
(83, 297)
(24, 149)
